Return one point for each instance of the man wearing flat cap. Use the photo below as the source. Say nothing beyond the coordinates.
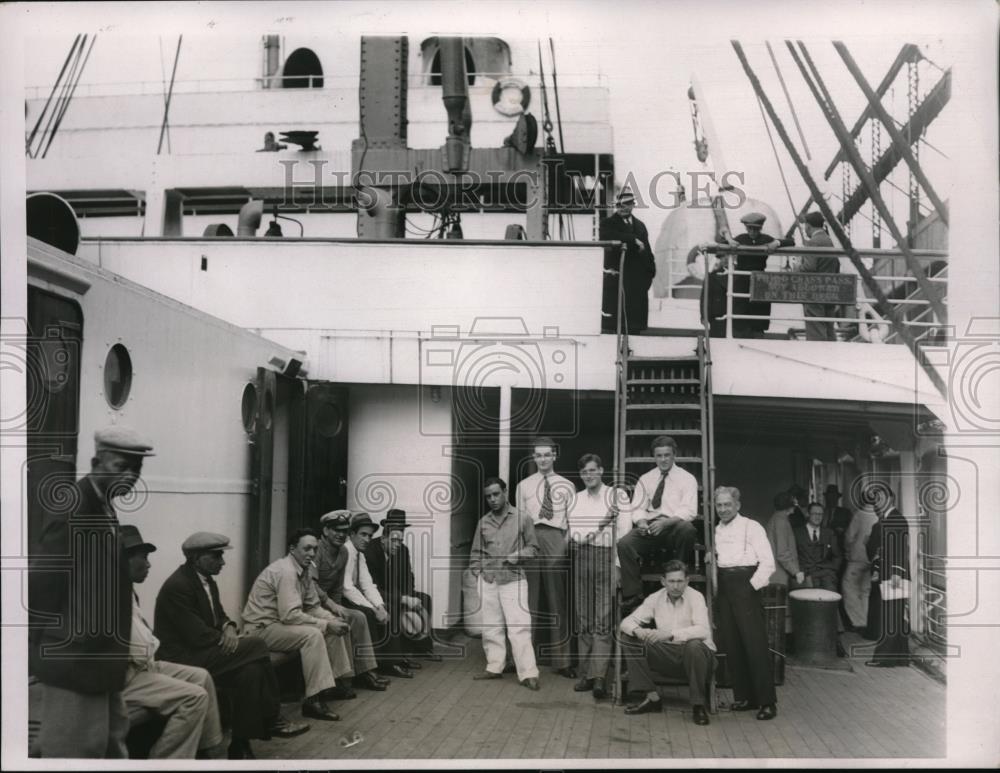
(640, 266)
(194, 629)
(183, 695)
(79, 642)
(328, 571)
(816, 236)
(388, 560)
(718, 283)
(361, 593)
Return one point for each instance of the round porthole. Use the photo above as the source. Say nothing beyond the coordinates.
(117, 376)
(248, 407)
(328, 420)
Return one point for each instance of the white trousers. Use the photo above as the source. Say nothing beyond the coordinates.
(505, 610)
(185, 696)
(856, 587)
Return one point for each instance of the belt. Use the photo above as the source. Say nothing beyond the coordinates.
(738, 568)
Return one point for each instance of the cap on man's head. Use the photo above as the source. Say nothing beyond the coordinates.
(131, 539)
(122, 440)
(203, 541)
(360, 520)
(625, 195)
(394, 519)
(832, 489)
(336, 519)
(815, 219)
(753, 218)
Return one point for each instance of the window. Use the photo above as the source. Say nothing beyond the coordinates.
(117, 376)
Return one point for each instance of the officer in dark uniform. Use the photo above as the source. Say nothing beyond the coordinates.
(718, 281)
(640, 266)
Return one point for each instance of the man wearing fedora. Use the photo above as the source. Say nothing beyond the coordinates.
(717, 282)
(640, 266)
(328, 571)
(183, 695)
(79, 642)
(816, 236)
(194, 629)
(361, 593)
(285, 609)
(388, 560)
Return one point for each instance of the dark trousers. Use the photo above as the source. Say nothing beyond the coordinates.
(385, 641)
(593, 594)
(679, 536)
(743, 637)
(894, 644)
(820, 331)
(692, 659)
(248, 677)
(548, 597)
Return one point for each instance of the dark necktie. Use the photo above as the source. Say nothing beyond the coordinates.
(815, 536)
(213, 598)
(658, 494)
(546, 511)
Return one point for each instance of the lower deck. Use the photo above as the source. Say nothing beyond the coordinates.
(867, 713)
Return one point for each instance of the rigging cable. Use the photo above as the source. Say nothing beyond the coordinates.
(781, 171)
(170, 94)
(38, 123)
(788, 99)
(77, 74)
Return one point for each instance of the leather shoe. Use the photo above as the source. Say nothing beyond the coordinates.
(646, 707)
(239, 749)
(583, 685)
(339, 693)
(483, 675)
(283, 728)
(599, 689)
(569, 672)
(770, 711)
(531, 683)
(412, 665)
(370, 681)
(316, 709)
(699, 715)
(396, 670)
(742, 706)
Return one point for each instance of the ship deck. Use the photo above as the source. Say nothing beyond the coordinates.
(867, 713)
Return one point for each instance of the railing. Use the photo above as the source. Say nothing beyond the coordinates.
(933, 599)
(871, 327)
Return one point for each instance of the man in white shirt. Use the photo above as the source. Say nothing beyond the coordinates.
(679, 643)
(183, 695)
(546, 498)
(597, 512)
(361, 593)
(744, 563)
(663, 506)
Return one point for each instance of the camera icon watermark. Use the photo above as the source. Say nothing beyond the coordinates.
(498, 352)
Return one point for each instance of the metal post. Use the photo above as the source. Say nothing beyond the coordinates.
(826, 104)
(897, 137)
(883, 306)
(730, 267)
(621, 399)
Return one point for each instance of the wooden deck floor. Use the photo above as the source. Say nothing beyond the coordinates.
(866, 713)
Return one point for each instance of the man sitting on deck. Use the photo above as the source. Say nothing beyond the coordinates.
(679, 643)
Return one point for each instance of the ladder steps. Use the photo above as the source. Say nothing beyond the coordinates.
(658, 432)
(664, 407)
(651, 460)
(656, 381)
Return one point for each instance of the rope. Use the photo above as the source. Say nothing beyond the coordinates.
(170, 94)
(781, 171)
(38, 123)
(555, 92)
(69, 98)
(788, 99)
(550, 143)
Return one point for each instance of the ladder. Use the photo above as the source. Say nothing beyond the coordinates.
(667, 396)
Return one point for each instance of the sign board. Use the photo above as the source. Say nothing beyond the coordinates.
(795, 287)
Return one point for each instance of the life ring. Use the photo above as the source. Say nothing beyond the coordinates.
(511, 96)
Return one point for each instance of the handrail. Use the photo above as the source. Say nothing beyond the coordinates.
(933, 255)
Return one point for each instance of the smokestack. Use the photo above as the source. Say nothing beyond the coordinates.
(455, 94)
(272, 60)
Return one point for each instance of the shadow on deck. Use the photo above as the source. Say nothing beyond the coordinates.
(443, 714)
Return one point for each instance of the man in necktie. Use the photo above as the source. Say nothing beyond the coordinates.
(183, 695)
(663, 506)
(818, 552)
(194, 629)
(639, 269)
(545, 497)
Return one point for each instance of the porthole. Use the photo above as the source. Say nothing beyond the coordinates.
(117, 376)
(249, 407)
(329, 420)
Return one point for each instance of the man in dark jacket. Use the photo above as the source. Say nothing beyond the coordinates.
(818, 554)
(80, 641)
(718, 282)
(816, 236)
(640, 267)
(888, 548)
(194, 629)
(391, 569)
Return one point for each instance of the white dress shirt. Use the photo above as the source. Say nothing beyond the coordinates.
(680, 495)
(359, 588)
(743, 542)
(589, 510)
(686, 619)
(142, 643)
(531, 494)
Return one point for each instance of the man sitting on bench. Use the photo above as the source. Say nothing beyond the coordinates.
(679, 643)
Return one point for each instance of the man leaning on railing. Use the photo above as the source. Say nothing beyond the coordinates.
(816, 236)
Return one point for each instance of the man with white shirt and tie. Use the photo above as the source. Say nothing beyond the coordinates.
(663, 507)
(546, 497)
(743, 564)
(678, 643)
